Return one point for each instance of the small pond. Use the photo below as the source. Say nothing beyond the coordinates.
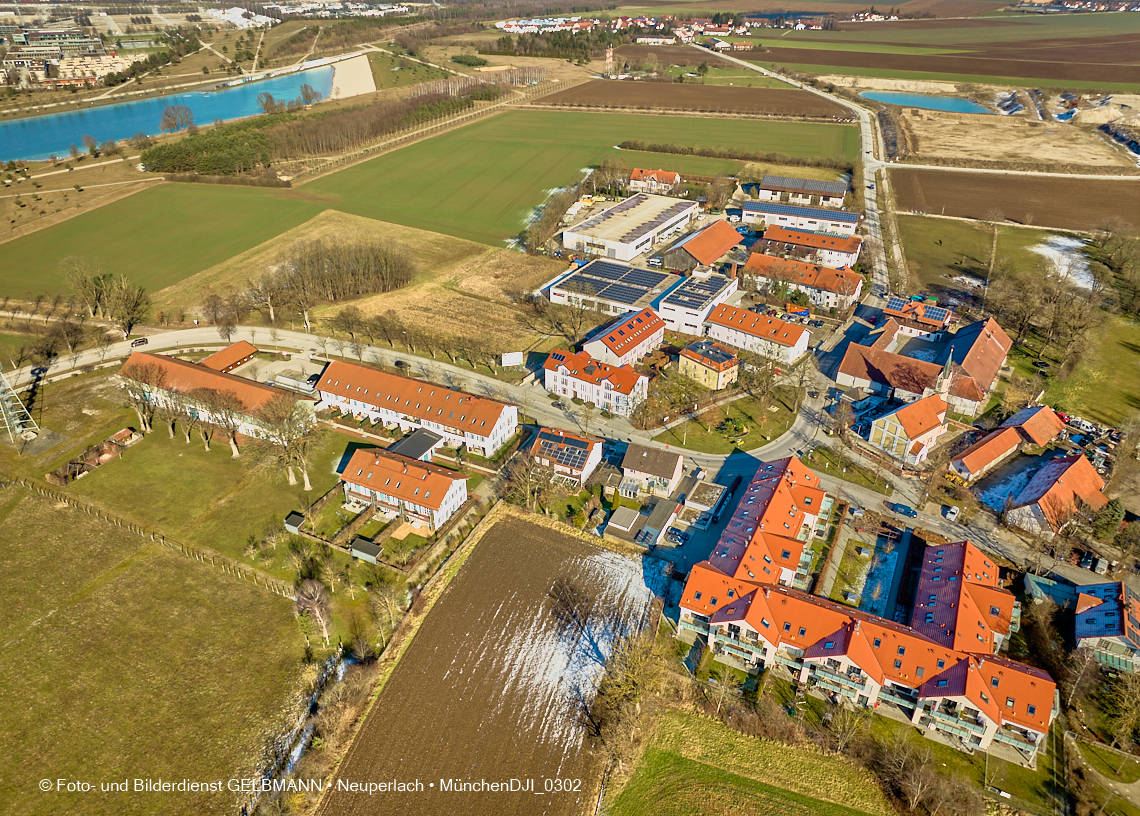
(950, 104)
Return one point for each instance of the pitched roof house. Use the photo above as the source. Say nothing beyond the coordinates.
(1108, 622)
(1046, 504)
(827, 287)
(750, 331)
(571, 456)
(1036, 425)
(617, 389)
(627, 339)
(703, 247)
(650, 470)
(230, 357)
(1039, 424)
(909, 433)
(418, 492)
(653, 181)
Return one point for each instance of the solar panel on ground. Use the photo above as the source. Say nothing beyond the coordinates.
(622, 293)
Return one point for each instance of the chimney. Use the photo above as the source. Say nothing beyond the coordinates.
(405, 468)
(732, 273)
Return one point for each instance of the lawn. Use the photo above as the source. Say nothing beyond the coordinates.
(1105, 387)
(727, 76)
(827, 462)
(152, 480)
(684, 772)
(388, 71)
(156, 237)
(852, 569)
(1108, 763)
(127, 660)
(480, 182)
(763, 426)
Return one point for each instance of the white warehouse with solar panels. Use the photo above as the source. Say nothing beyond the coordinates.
(630, 227)
(611, 288)
(685, 308)
(812, 219)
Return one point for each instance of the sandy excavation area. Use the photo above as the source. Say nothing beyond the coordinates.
(1014, 139)
(352, 77)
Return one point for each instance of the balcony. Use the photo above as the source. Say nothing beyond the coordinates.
(851, 681)
(793, 663)
(1016, 739)
(953, 721)
(695, 626)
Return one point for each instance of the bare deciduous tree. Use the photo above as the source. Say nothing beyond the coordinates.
(313, 600)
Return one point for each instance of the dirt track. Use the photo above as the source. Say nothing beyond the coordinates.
(483, 691)
(700, 98)
(1079, 204)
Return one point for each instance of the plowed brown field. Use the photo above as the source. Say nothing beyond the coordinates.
(1079, 204)
(701, 98)
(672, 55)
(485, 690)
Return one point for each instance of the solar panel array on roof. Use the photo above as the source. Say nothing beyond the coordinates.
(937, 312)
(622, 293)
(610, 271)
(695, 293)
(897, 303)
(660, 219)
(617, 209)
(642, 277)
(612, 281)
(806, 185)
(801, 212)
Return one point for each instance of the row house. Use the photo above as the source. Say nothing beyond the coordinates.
(772, 338)
(823, 248)
(483, 425)
(628, 339)
(826, 287)
(571, 457)
(414, 491)
(616, 389)
(811, 219)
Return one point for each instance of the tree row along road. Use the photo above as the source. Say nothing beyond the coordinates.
(537, 403)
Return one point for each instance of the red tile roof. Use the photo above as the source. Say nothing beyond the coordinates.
(815, 240)
(886, 368)
(980, 349)
(844, 281)
(757, 325)
(182, 377)
(621, 337)
(990, 448)
(712, 242)
(423, 400)
(408, 479)
(660, 176)
(915, 311)
(1058, 486)
(231, 355)
(922, 416)
(582, 366)
(1038, 423)
(956, 598)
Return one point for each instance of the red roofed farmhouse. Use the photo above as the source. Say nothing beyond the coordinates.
(482, 424)
(1048, 502)
(617, 389)
(704, 247)
(417, 492)
(935, 673)
(627, 339)
(653, 181)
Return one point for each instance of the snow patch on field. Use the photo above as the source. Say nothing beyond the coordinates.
(555, 675)
(1068, 254)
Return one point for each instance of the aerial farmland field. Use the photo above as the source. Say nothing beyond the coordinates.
(1062, 203)
(701, 98)
(485, 690)
(480, 182)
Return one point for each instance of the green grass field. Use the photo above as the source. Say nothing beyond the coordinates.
(482, 181)
(479, 182)
(126, 660)
(697, 766)
(728, 76)
(388, 73)
(761, 425)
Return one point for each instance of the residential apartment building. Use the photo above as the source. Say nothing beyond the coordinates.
(483, 425)
(910, 432)
(712, 365)
(414, 491)
(767, 336)
(628, 339)
(1108, 622)
(654, 181)
(616, 389)
(653, 471)
(811, 219)
(168, 382)
(940, 677)
(823, 248)
(572, 457)
(826, 287)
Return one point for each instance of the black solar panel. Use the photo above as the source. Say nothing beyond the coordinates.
(897, 303)
(604, 269)
(581, 284)
(622, 293)
(639, 277)
(937, 313)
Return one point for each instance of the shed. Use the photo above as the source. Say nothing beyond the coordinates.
(293, 522)
(366, 550)
(420, 444)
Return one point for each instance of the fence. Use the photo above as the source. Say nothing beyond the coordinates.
(215, 560)
(458, 85)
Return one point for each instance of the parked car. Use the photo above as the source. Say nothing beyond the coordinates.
(873, 319)
(904, 510)
(142, 341)
(952, 512)
(858, 512)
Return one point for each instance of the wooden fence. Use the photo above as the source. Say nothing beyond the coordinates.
(215, 560)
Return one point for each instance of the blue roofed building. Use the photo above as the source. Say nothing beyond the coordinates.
(1108, 622)
(813, 219)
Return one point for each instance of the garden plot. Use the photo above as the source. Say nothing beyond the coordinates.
(491, 686)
